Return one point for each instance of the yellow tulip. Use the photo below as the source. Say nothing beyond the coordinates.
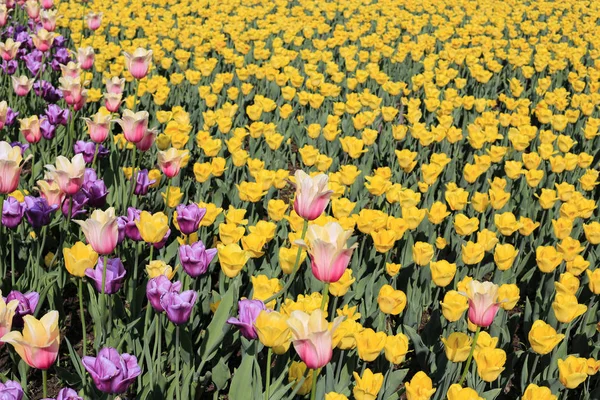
(273, 331)
(454, 305)
(232, 259)
(457, 346)
(369, 344)
(396, 348)
(152, 227)
(442, 272)
(457, 392)
(368, 385)
(572, 371)
(391, 301)
(490, 363)
(535, 392)
(420, 387)
(157, 267)
(543, 338)
(79, 258)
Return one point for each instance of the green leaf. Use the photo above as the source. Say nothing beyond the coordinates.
(218, 326)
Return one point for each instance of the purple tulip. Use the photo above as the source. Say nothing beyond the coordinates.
(27, 305)
(62, 56)
(67, 394)
(60, 41)
(112, 372)
(48, 92)
(157, 287)
(11, 116)
(22, 146)
(115, 275)
(196, 258)
(248, 311)
(48, 130)
(121, 222)
(87, 149)
(9, 67)
(38, 211)
(79, 200)
(11, 390)
(57, 115)
(12, 212)
(178, 306)
(143, 183)
(189, 217)
(131, 229)
(94, 188)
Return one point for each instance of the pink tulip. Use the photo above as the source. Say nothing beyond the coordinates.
(112, 101)
(68, 175)
(170, 161)
(49, 18)
(101, 231)
(71, 70)
(138, 62)
(328, 250)
(115, 85)
(134, 125)
(30, 128)
(7, 312)
(147, 141)
(22, 85)
(47, 4)
(98, 127)
(4, 10)
(10, 167)
(312, 337)
(33, 9)
(483, 302)
(312, 195)
(72, 90)
(94, 20)
(85, 57)
(9, 49)
(3, 113)
(50, 191)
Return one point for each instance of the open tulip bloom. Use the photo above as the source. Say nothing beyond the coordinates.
(483, 303)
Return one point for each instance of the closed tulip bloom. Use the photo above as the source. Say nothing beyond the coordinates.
(98, 127)
(594, 280)
(457, 346)
(133, 124)
(312, 337)
(420, 387)
(72, 89)
(232, 259)
(508, 296)
(369, 344)
(195, 258)
(490, 363)
(341, 287)
(30, 129)
(170, 161)
(457, 392)
(543, 337)
(442, 272)
(69, 174)
(504, 256)
(390, 300)
(273, 331)
(22, 85)
(93, 20)
(158, 267)
(51, 192)
(328, 250)
(112, 372)
(368, 385)
(115, 275)
(566, 308)
(464, 225)
(178, 306)
(112, 101)
(567, 284)
(138, 62)
(302, 381)
(337, 396)
(454, 305)
(483, 302)
(39, 342)
(248, 311)
(79, 258)
(101, 230)
(572, 371)
(396, 348)
(9, 49)
(85, 57)
(12, 212)
(27, 303)
(312, 195)
(38, 211)
(11, 390)
(147, 140)
(48, 18)
(535, 392)
(189, 217)
(547, 258)
(10, 167)
(152, 227)
(422, 253)
(157, 287)
(472, 253)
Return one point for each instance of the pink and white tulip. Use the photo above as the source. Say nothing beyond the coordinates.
(170, 161)
(10, 167)
(9, 49)
(98, 127)
(30, 128)
(22, 85)
(312, 195)
(101, 231)
(483, 302)
(138, 62)
(328, 250)
(68, 174)
(134, 125)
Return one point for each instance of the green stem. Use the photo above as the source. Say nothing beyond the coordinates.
(2, 265)
(12, 259)
(45, 382)
(31, 177)
(95, 157)
(82, 316)
(268, 381)
(313, 390)
(167, 196)
(104, 299)
(293, 274)
(468, 364)
(325, 297)
(177, 387)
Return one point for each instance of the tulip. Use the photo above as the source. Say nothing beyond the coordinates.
(367, 386)
(457, 346)
(157, 287)
(112, 101)
(543, 338)
(152, 227)
(328, 250)
(85, 57)
(312, 337)
(27, 304)
(147, 140)
(341, 287)
(508, 296)
(490, 363)
(12, 212)
(159, 267)
(143, 183)
(112, 372)
(442, 272)
(7, 313)
(572, 371)
(457, 392)
(134, 125)
(48, 18)
(79, 258)
(9, 49)
(312, 195)
(454, 305)
(101, 231)
(273, 331)
(68, 174)
(43, 40)
(138, 62)
(51, 192)
(72, 89)
(178, 306)
(483, 303)
(115, 275)
(420, 387)
(38, 211)
(94, 20)
(232, 259)
(189, 217)
(170, 161)
(396, 348)
(30, 128)
(248, 311)
(535, 392)
(390, 300)
(4, 14)
(195, 258)
(369, 344)
(115, 85)
(11, 390)
(10, 167)
(566, 308)
(422, 253)
(38, 345)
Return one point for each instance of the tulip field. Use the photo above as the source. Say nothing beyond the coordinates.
(299, 199)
